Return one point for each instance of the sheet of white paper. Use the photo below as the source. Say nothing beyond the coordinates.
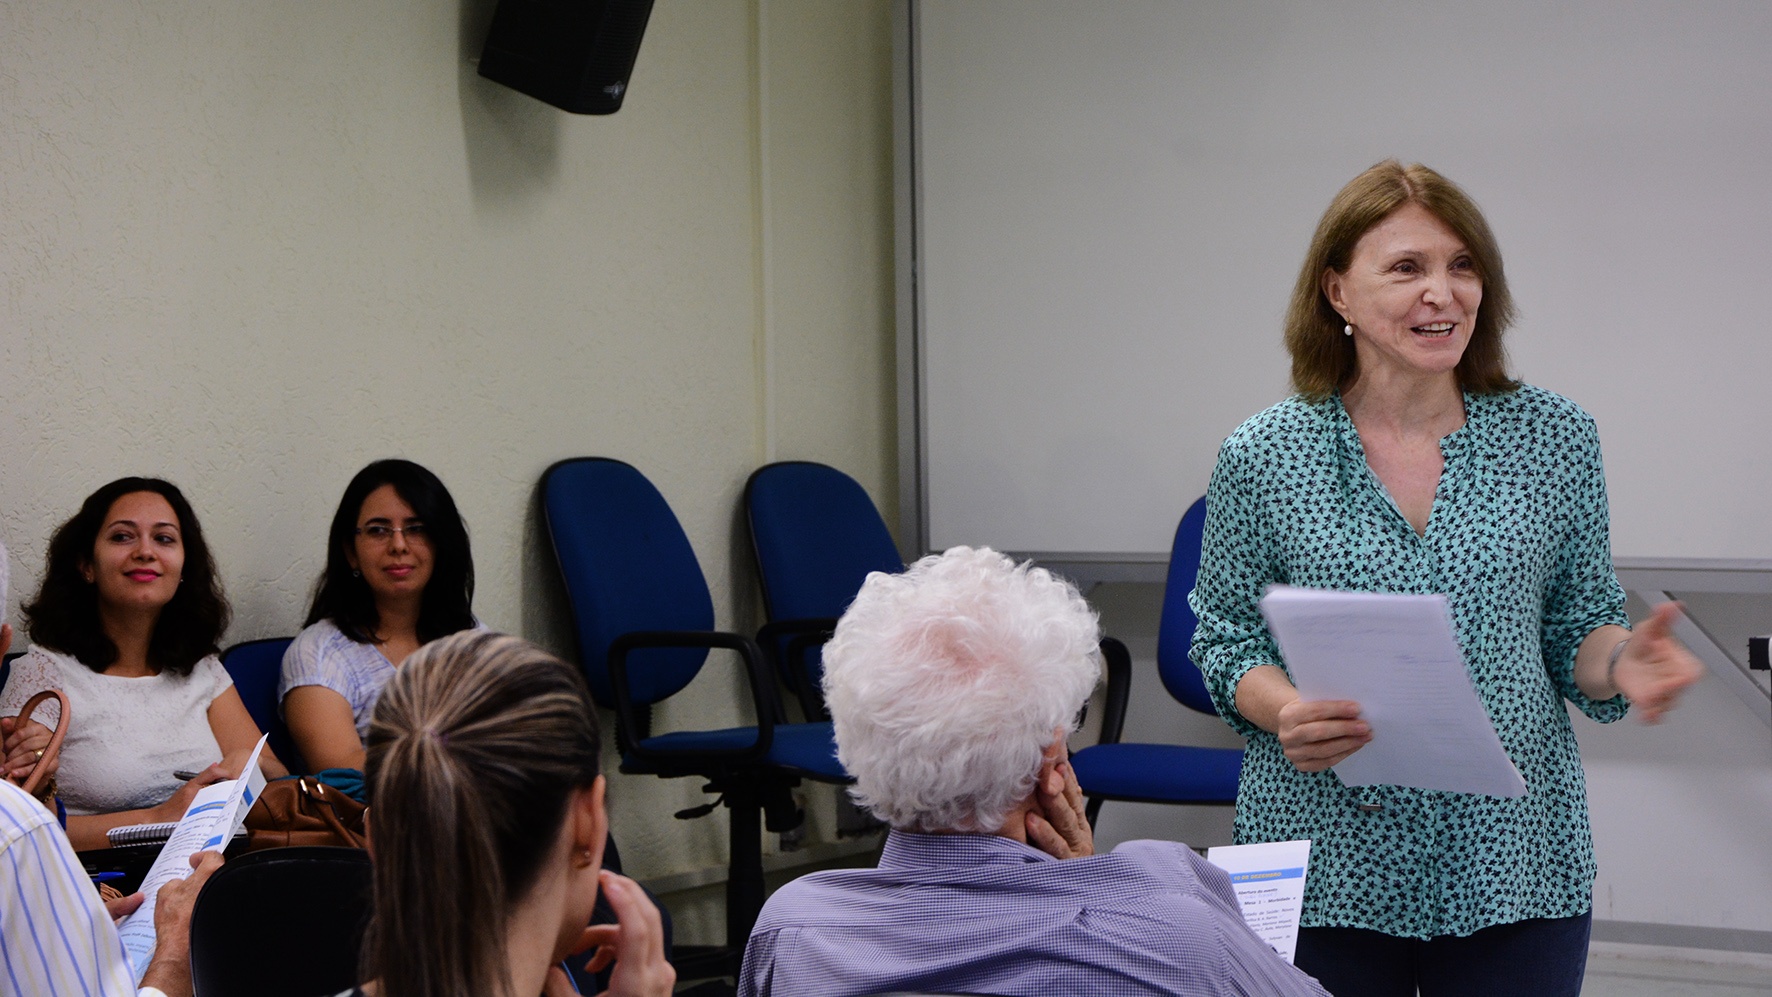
(1397, 657)
(1269, 880)
(209, 822)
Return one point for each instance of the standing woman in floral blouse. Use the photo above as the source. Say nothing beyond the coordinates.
(1410, 461)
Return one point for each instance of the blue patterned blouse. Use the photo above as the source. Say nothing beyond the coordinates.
(1518, 542)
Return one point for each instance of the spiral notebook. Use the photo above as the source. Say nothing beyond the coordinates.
(147, 834)
(141, 834)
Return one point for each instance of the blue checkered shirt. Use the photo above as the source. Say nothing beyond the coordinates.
(983, 914)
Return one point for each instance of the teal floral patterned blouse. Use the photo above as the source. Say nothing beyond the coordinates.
(1518, 542)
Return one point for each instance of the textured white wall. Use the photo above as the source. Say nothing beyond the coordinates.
(249, 247)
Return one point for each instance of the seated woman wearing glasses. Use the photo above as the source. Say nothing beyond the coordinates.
(126, 625)
(398, 575)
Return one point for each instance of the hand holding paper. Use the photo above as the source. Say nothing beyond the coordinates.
(215, 813)
(1394, 655)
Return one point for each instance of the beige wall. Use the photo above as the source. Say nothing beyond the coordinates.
(250, 246)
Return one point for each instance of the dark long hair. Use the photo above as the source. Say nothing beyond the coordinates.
(467, 806)
(64, 615)
(342, 596)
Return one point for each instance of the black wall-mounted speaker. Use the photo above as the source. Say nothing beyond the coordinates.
(574, 54)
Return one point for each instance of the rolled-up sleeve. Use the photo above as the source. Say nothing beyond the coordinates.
(1238, 562)
(1582, 593)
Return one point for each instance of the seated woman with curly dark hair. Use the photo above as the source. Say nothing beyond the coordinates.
(399, 574)
(127, 624)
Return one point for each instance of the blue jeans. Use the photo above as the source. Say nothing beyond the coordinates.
(1542, 957)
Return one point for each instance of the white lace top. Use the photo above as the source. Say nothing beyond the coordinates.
(128, 735)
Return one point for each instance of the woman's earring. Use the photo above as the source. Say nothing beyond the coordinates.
(356, 574)
(1347, 330)
(582, 859)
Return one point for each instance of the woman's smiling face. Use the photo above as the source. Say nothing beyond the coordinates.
(1411, 293)
(139, 554)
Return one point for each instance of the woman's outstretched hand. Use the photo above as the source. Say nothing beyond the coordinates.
(1318, 733)
(634, 944)
(1654, 668)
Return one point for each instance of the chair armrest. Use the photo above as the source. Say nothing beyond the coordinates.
(1119, 689)
(793, 667)
(748, 653)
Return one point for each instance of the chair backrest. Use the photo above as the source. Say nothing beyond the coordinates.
(817, 535)
(282, 921)
(255, 666)
(1175, 634)
(628, 566)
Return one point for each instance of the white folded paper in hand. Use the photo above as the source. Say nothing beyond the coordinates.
(218, 811)
(1397, 657)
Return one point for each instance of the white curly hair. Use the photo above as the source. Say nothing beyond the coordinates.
(946, 684)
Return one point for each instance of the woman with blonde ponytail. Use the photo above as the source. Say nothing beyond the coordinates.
(487, 828)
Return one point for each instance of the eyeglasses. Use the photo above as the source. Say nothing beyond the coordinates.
(382, 534)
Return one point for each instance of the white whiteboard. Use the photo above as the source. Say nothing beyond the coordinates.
(1112, 200)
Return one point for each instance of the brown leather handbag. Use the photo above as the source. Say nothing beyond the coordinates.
(35, 783)
(302, 810)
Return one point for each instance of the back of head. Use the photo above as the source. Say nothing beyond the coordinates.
(65, 613)
(476, 746)
(946, 684)
(342, 596)
(1322, 358)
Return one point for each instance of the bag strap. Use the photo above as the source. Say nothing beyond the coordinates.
(39, 772)
(328, 810)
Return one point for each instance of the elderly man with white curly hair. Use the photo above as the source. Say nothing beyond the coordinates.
(952, 687)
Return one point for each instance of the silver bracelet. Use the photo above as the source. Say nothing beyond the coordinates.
(1612, 664)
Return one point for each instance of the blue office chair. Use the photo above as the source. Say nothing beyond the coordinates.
(817, 535)
(1161, 773)
(644, 619)
(255, 666)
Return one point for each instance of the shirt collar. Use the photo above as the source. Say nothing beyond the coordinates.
(1476, 412)
(914, 850)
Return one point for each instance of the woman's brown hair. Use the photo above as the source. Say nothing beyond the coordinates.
(64, 616)
(1323, 359)
(475, 749)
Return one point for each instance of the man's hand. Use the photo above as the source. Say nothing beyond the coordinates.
(1057, 823)
(170, 969)
(122, 907)
(634, 944)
